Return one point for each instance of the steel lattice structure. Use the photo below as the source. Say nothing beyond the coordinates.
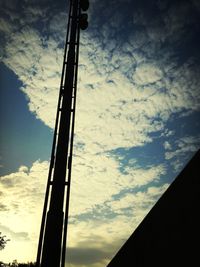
(53, 232)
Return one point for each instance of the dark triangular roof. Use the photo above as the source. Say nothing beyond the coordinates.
(170, 233)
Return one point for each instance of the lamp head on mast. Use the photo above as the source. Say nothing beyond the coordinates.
(84, 4)
(83, 20)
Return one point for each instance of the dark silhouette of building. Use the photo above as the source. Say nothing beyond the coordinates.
(170, 233)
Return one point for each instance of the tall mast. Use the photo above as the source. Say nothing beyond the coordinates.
(53, 232)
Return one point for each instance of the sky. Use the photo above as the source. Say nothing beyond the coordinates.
(137, 118)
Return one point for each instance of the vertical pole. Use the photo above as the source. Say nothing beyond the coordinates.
(41, 236)
(71, 152)
(52, 245)
(53, 232)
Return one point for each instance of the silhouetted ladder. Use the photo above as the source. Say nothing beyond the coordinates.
(53, 232)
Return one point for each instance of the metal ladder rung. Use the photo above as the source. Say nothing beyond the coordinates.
(75, 63)
(73, 43)
(51, 183)
(72, 109)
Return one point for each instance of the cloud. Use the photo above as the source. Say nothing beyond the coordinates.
(14, 235)
(18, 242)
(167, 145)
(140, 202)
(142, 177)
(35, 66)
(86, 256)
(3, 207)
(179, 152)
(23, 169)
(106, 234)
(97, 178)
(115, 107)
(184, 146)
(57, 27)
(5, 26)
(147, 73)
(23, 194)
(93, 201)
(128, 88)
(125, 92)
(175, 20)
(23, 12)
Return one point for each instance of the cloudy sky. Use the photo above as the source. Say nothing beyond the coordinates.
(137, 119)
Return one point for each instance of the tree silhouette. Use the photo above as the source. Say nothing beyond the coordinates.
(3, 241)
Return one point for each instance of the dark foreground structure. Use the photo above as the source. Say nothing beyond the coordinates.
(170, 233)
(53, 232)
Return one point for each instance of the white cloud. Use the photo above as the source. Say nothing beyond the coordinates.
(109, 105)
(125, 93)
(119, 112)
(139, 177)
(138, 204)
(38, 69)
(23, 194)
(23, 191)
(147, 73)
(97, 178)
(167, 145)
(179, 152)
(184, 145)
(23, 169)
(58, 25)
(93, 188)
(168, 133)
(106, 234)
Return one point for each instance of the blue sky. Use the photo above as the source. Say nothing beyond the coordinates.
(137, 119)
(23, 137)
